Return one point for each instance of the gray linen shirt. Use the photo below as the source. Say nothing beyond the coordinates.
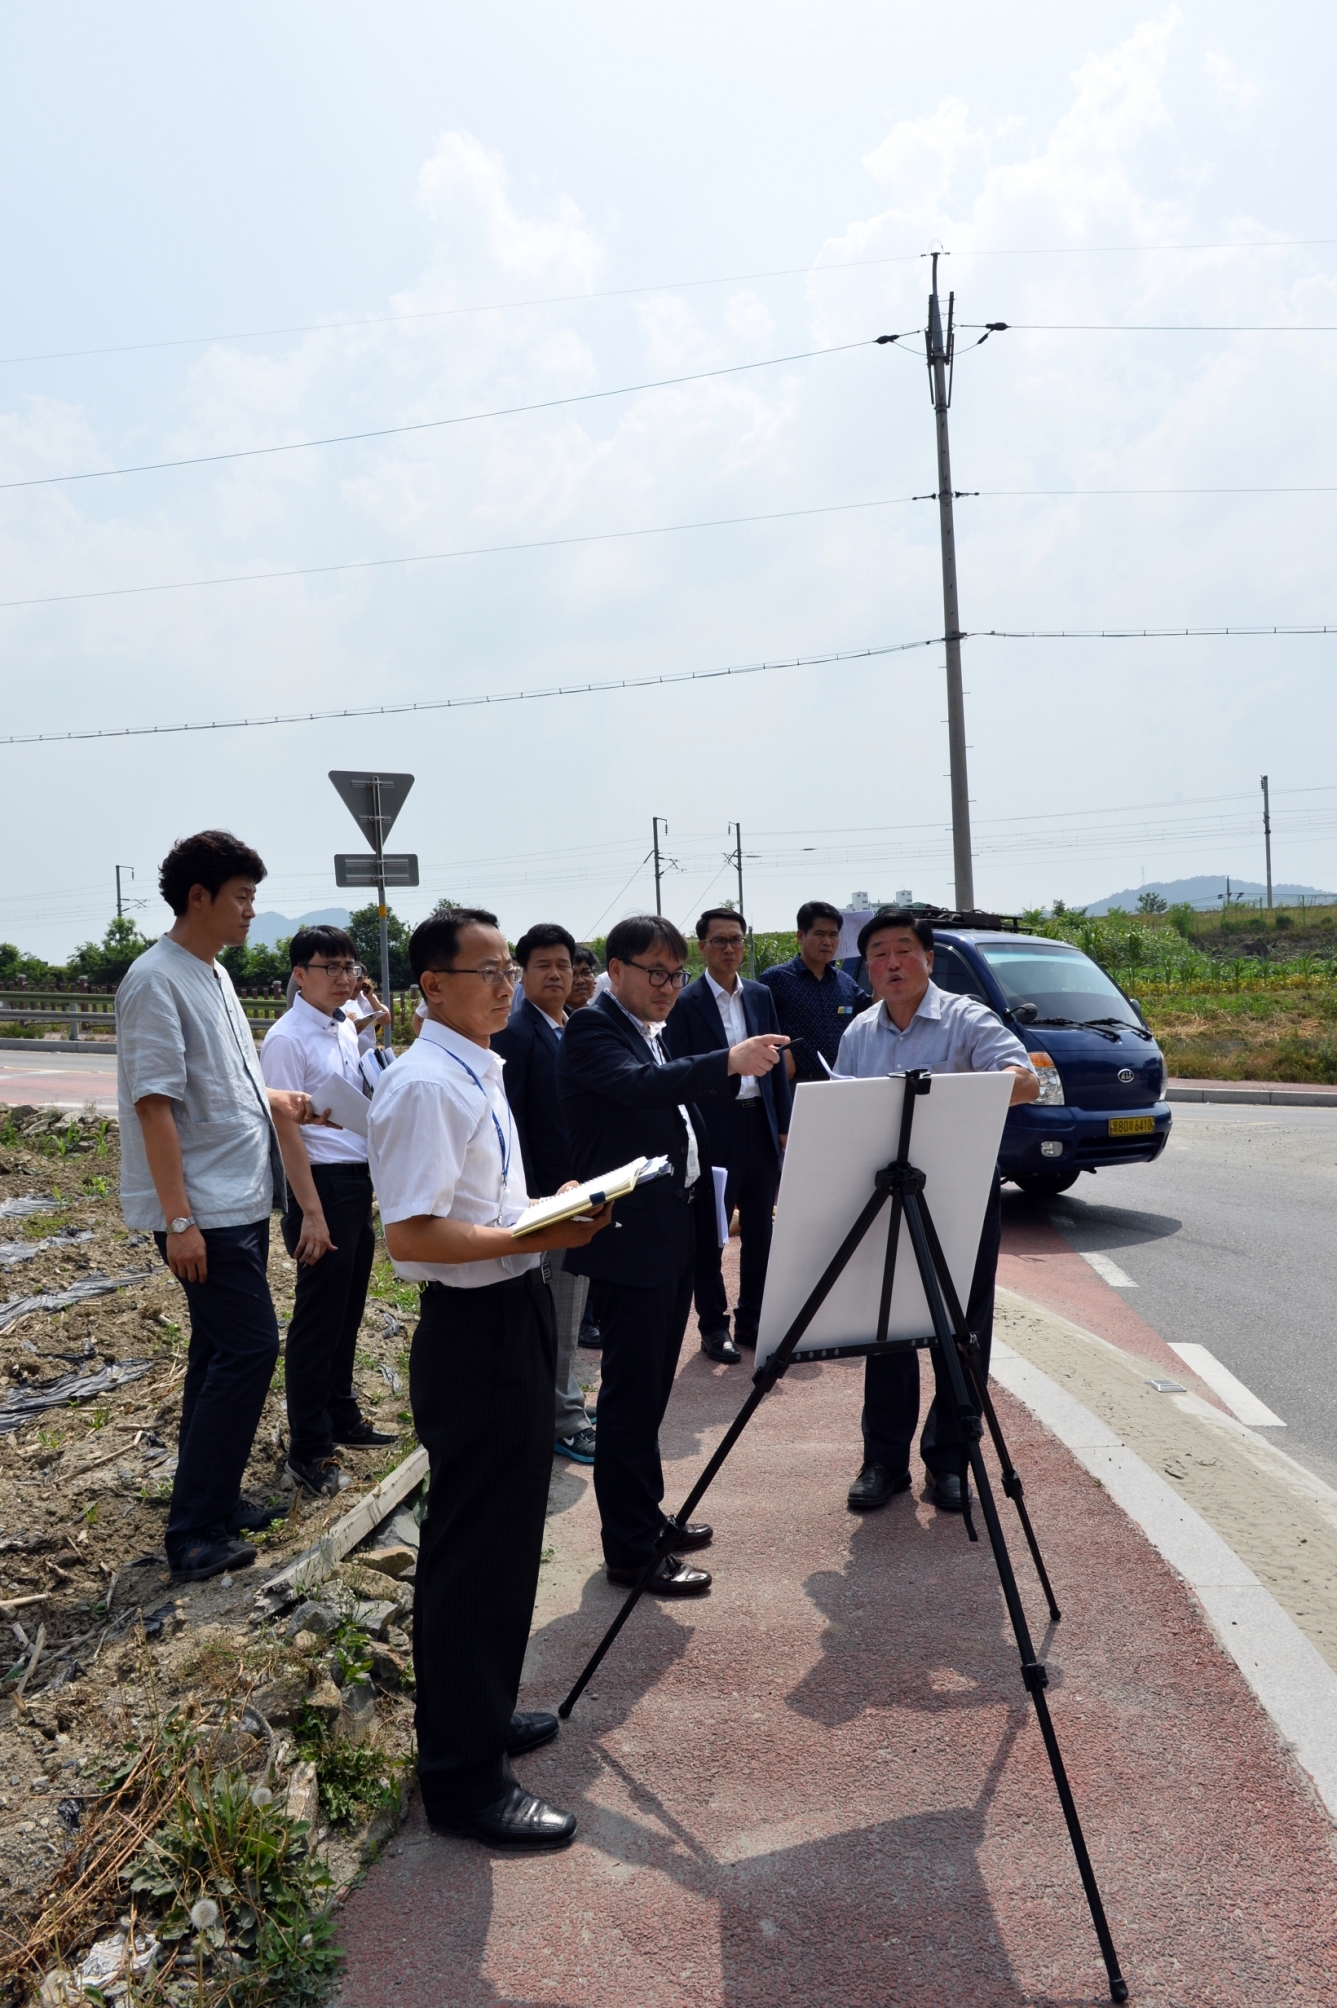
(950, 1034)
(181, 1032)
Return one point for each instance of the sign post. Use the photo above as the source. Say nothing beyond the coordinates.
(375, 800)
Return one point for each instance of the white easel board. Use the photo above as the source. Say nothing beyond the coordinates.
(843, 1132)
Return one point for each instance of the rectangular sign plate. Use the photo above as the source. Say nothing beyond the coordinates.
(401, 868)
(1132, 1125)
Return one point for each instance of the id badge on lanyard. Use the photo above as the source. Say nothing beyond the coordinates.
(503, 1142)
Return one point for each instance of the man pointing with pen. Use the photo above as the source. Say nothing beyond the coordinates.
(622, 1097)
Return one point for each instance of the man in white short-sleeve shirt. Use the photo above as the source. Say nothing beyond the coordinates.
(450, 1180)
(327, 1227)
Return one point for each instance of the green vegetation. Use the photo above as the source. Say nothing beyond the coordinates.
(356, 1779)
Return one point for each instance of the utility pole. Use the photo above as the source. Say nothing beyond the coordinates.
(655, 822)
(940, 353)
(1267, 840)
(120, 903)
(736, 858)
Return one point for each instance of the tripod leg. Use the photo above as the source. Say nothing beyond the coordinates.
(1032, 1671)
(968, 1348)
(763, 1381)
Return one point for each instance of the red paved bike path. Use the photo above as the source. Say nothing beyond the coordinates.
(824, 1786)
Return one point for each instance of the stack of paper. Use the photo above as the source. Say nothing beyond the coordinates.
(593, 1194)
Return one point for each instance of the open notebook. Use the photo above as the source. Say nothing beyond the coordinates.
(594, 1193)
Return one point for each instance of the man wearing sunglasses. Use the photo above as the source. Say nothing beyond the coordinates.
(623, 1097)
(327, 1226)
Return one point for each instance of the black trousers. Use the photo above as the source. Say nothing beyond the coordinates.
(891, 1380)
(331, 1297)
(480, 1381)
(754, 1177)
(234, 1342)
(642, 1338)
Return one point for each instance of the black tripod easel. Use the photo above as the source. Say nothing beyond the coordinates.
(956, 1353)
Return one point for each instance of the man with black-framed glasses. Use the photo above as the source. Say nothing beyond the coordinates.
(327, 1226)
(623, 1097)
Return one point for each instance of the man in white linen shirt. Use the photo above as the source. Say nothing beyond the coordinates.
(201, 1169)
(914, 1024)
(327, 1227)
(448, 1171)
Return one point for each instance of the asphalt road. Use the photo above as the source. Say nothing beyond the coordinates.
(1229, 1239)
(68, 1079)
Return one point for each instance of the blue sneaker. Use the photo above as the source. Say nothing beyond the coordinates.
(579, 1446)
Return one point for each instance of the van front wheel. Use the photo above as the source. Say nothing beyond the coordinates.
(1044, 1184)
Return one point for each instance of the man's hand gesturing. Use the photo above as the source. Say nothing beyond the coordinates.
(758, 1054)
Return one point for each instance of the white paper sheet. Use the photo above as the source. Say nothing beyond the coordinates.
(843, 1132)
(721, 1178)
(345, 1103)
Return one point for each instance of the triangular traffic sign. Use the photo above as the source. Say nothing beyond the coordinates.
(365, 793)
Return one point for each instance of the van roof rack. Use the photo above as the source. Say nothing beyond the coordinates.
(987, 923)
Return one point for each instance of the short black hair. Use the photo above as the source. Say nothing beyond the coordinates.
(818, 909)
(718, 913)
(210, 859)
(897, 916)
(584, 958)
(435, 942)
(544, 934)
(631, 937)
(309, 941)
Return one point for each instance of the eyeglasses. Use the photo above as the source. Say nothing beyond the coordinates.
(726, 941)
(353, 969)
(659, 977)
(495, 973)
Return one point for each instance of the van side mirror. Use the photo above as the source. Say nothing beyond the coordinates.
(1025, 1014)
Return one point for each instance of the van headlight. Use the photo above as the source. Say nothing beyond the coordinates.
(1051, 1086)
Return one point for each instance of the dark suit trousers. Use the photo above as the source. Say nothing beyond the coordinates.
(891, 1382)
(754, 1176)
(234, 1342)
(327, 1311)
(642, 1337)
(478, 1565)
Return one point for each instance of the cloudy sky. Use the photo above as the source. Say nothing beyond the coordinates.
(256, 226)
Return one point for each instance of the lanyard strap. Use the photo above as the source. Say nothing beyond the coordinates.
(503, 1144)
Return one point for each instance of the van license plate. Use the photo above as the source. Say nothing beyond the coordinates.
(1132, 1125)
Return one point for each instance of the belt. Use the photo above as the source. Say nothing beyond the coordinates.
(512, 1283)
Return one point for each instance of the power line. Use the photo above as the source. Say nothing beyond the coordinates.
(426, 424)
(1136, 634)
(436, 557)
(1153, 328)
(467, 703)
(632, 292)
(615, 536)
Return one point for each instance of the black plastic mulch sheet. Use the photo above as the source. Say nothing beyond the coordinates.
(20, 1404)
(94, 1285)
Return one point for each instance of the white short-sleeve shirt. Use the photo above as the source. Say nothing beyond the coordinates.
(441, 1140)
(302, 1050)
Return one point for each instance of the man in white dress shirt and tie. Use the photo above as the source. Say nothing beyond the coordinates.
(448, 1172)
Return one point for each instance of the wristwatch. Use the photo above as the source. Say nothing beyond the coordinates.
(180, 1224)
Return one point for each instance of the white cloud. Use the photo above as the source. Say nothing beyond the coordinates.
(1238, 89)
(465, 189)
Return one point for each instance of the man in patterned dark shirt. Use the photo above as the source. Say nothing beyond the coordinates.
(814, 1001)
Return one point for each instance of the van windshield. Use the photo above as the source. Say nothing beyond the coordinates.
(1061, 982)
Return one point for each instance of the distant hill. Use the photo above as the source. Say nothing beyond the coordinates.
(1205, 893)
(268, 928)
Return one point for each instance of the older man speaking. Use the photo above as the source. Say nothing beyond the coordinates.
(914, 1024)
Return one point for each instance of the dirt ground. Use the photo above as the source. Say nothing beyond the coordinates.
(84, 1488)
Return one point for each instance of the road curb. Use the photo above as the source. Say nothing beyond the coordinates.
(1261, 1097)
(1291, 1679)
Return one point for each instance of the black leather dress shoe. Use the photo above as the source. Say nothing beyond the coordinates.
(365, 1437)
(530, 1732)
(720, 1347)
(696, 1534)
(672, 1578)
(517, 1820)
(945, 1493)
(873, 1487)
(745, 1338)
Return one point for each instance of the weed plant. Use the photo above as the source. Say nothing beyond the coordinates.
(356, 1779)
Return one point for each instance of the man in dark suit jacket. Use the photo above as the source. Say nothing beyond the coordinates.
(621, 1098)
(529, 1047)
(747, 1134)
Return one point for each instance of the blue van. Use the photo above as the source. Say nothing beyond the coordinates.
(1102, 1075)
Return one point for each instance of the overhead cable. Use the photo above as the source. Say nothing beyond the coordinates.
(427, 424)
